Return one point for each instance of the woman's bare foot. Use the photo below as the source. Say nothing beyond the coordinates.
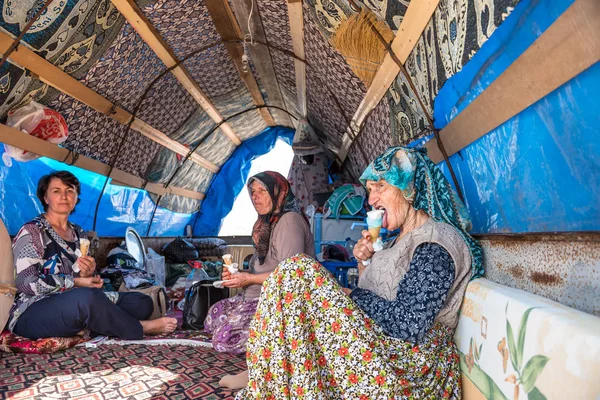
(235, 382)
(159, 326)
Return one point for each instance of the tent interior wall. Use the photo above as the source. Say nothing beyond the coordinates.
(157, 96)
(168, 102)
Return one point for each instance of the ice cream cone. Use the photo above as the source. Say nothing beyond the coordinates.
(227, 259)
(374, 222)
(84, 245)
(374, 232)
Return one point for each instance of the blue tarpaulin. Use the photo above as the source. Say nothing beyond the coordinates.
(537, 172)
(120, 206)
(232, 177)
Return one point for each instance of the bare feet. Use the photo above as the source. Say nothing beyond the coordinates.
(235, 382)
(159, 326)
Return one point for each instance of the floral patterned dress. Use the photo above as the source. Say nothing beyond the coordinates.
(309, 340)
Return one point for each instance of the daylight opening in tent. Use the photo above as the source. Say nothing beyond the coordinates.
(242, 216)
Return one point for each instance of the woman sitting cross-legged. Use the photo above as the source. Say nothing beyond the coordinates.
(58, 294)
(281, 230)
(393, 336)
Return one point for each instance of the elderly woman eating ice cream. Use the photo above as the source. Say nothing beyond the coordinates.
(392, 337)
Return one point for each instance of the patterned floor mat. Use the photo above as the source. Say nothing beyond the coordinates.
(119, 372)
(187, 338)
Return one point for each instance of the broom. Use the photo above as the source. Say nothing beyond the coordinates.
(360, 45)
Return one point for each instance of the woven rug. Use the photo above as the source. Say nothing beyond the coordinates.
(119, 372)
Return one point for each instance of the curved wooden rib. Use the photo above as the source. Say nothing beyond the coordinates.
(154, 40)
(415, 20)
(15, 137)
(261, 56)
(63, 82)
(228, 28)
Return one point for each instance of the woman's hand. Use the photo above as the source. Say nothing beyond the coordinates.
(363, 249)
(89, 282)
(241, 279)
(87, 266)
(225, 274)
(347, 291)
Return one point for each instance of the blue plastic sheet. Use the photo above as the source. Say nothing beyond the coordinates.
(120, 207)
(232, 177)
(522, 27)
(538, 172)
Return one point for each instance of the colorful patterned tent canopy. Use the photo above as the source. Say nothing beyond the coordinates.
(168, 97)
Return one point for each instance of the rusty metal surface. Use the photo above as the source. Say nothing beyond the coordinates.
(563, 268)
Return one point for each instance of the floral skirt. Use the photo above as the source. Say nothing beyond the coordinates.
(229, 321)
(310, 340)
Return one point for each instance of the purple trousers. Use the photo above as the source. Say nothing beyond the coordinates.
(229, 322)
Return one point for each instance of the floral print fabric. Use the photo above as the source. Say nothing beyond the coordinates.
(309, 340)
(421, 295)
(228, 320)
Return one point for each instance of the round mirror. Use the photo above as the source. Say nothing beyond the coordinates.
(135, 246)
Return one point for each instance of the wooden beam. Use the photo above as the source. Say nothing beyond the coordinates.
(413, 24)
(296, 18)
(261, 55)
(567, 48)
(154, 40)
(15, 137)
(63, 82)
(228, 28)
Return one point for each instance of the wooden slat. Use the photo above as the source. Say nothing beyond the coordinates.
(261, 55)
(63, 82)
(15, 137)
(162, 139)
(296, 18)
(228, 28)
(154, 40)
(415, 20)
(567, 48)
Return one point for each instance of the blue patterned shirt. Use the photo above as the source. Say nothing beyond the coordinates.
(421, 295)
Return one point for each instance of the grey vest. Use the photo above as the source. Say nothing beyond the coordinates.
(388, 266)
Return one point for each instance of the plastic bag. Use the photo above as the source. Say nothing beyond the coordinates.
(155, 265)
(197, 275)
(38, 121)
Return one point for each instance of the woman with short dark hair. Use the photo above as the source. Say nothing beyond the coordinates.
(58, 294)
(66, 178)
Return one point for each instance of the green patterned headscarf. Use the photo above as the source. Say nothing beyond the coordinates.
(424, 185)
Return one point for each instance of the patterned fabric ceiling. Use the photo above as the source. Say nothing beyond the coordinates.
(93, 43)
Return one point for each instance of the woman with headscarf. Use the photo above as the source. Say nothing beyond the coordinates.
(280, 231)
(392, 337)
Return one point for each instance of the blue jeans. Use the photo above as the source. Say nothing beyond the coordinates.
(67, 313)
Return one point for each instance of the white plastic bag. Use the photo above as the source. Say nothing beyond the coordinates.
(36, 120)
(155, 264)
